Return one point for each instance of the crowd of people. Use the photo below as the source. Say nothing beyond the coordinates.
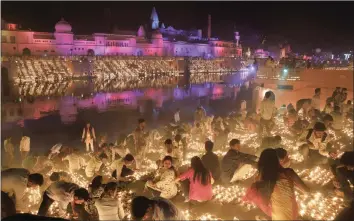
(106, 169)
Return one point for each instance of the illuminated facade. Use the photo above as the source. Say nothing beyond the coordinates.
(157, 41)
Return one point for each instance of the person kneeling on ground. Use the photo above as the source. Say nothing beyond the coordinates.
(316, 141)
(120, 168)
(94, 165)
(15, 181)
(200, 181)
(109, 205)
(64, 193)
(163, 184)
(236, 164)
(156, 208)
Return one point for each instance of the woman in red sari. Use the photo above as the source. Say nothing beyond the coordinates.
(274, 192)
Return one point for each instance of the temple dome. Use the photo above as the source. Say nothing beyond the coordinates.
(62, 26)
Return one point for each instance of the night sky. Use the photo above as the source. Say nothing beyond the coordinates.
(305, 25)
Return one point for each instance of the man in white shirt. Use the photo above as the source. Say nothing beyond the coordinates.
(94, 164)
(176, 116)
(267, 112)
(15, 181)
(315, 144)
(88, 137)
(76, 162)
(316, 99)
(63, 193)
(24, 147)
(119, 167)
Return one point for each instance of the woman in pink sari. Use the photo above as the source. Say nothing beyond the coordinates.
(274, 193)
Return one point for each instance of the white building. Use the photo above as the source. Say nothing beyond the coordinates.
(158, 41)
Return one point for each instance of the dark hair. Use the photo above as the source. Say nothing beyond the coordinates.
(277, 138)
(169, 158)
(281, 153)
(268, 94)
(347, 158)
(103, 156)
(168, 141)
(327, 117)
(128, 157)
(96, 183)
(336, 108)
(319, 126)
(209, 146)
(36, 178)
(82, 194)
(349, 102)
(111, 144)
(141, 120)
(317, 90)
(139, 206)
(234, 142)
(111, 186)
(54, 177)
(200, 172)
(269, 169)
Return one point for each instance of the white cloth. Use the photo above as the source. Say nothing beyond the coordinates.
(166, 184)
(55, 150)
(177, 118)
(267, 109)
(25, 144)
(241, 172)
(14, 182)
(75, 162)
(93, 166)
(62, 192)
(316, 102)
(318, 144)
(109, 208)
(121, 151)
(89, 145)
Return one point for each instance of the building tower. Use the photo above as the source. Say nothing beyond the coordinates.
(237, 38)
(154, 19)
(209, 26)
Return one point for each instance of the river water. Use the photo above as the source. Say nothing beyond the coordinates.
(57, 112)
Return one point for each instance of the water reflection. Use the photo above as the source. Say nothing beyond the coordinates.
(66, 98)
